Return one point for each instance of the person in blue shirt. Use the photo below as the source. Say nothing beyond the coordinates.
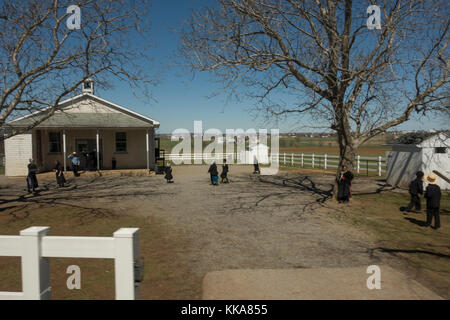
(75, 163)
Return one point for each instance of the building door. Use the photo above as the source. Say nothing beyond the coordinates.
(87, 146)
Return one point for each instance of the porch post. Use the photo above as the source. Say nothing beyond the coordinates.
(65, 150)
(98, 151)
(148, 150)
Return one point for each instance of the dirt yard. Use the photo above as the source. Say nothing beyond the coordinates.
(254, 222)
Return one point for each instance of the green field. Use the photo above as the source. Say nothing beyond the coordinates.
(300, 145)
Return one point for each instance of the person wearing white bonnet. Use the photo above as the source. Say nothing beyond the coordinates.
(433, 196)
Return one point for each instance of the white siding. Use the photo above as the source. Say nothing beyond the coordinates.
(437, 161)
(18, 150)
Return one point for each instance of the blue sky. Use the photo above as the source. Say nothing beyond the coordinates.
(182, 99)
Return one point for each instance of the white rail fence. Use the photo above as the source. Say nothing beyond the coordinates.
(320, 161)
(35, 247)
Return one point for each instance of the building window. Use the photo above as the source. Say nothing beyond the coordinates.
(440, 150)
(54, 142)
(121, 142)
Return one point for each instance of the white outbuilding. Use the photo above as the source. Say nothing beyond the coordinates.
(431, 154)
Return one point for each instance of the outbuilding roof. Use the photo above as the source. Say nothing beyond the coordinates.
(424, 140)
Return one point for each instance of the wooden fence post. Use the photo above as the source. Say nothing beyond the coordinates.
(302, 159)
(325, 163)
(292, 159)
(313, 160)
(35, 268)
(126, 255)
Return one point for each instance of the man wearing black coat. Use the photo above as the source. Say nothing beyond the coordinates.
(415, 189)
(433, 196)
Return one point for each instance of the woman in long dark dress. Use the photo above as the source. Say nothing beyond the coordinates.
(214, 173)
(344, 185)
(60, 179)
(32, 182)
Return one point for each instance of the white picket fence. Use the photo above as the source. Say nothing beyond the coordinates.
(35, 247)
(318, 161)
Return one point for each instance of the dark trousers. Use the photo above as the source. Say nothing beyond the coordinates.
(415, 202)
(75, 170)
(433, 212)
(224, 177)
(32, 183)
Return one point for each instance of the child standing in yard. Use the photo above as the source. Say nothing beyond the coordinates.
(224, 174)
(415, 189)
(255, 165)
(433, 196)
(168, 176)
(60, 180)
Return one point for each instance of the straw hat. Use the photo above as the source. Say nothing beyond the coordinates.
(431, 178)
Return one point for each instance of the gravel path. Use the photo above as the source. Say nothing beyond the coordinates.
(252, 222)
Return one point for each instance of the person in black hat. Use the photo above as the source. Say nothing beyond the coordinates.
(433, 196)
(415, 189)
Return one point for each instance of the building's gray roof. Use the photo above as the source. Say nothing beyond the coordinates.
(84, 120)
(125, 118)
(419, 138)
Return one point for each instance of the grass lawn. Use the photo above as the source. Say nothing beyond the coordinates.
(97, 275)
(403, 235)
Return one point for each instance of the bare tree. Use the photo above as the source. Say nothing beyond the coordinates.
(44, 59)
(358, 81)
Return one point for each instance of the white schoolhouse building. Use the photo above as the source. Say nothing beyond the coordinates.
(82, 124)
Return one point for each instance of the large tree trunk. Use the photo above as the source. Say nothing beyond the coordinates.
(348, 146)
